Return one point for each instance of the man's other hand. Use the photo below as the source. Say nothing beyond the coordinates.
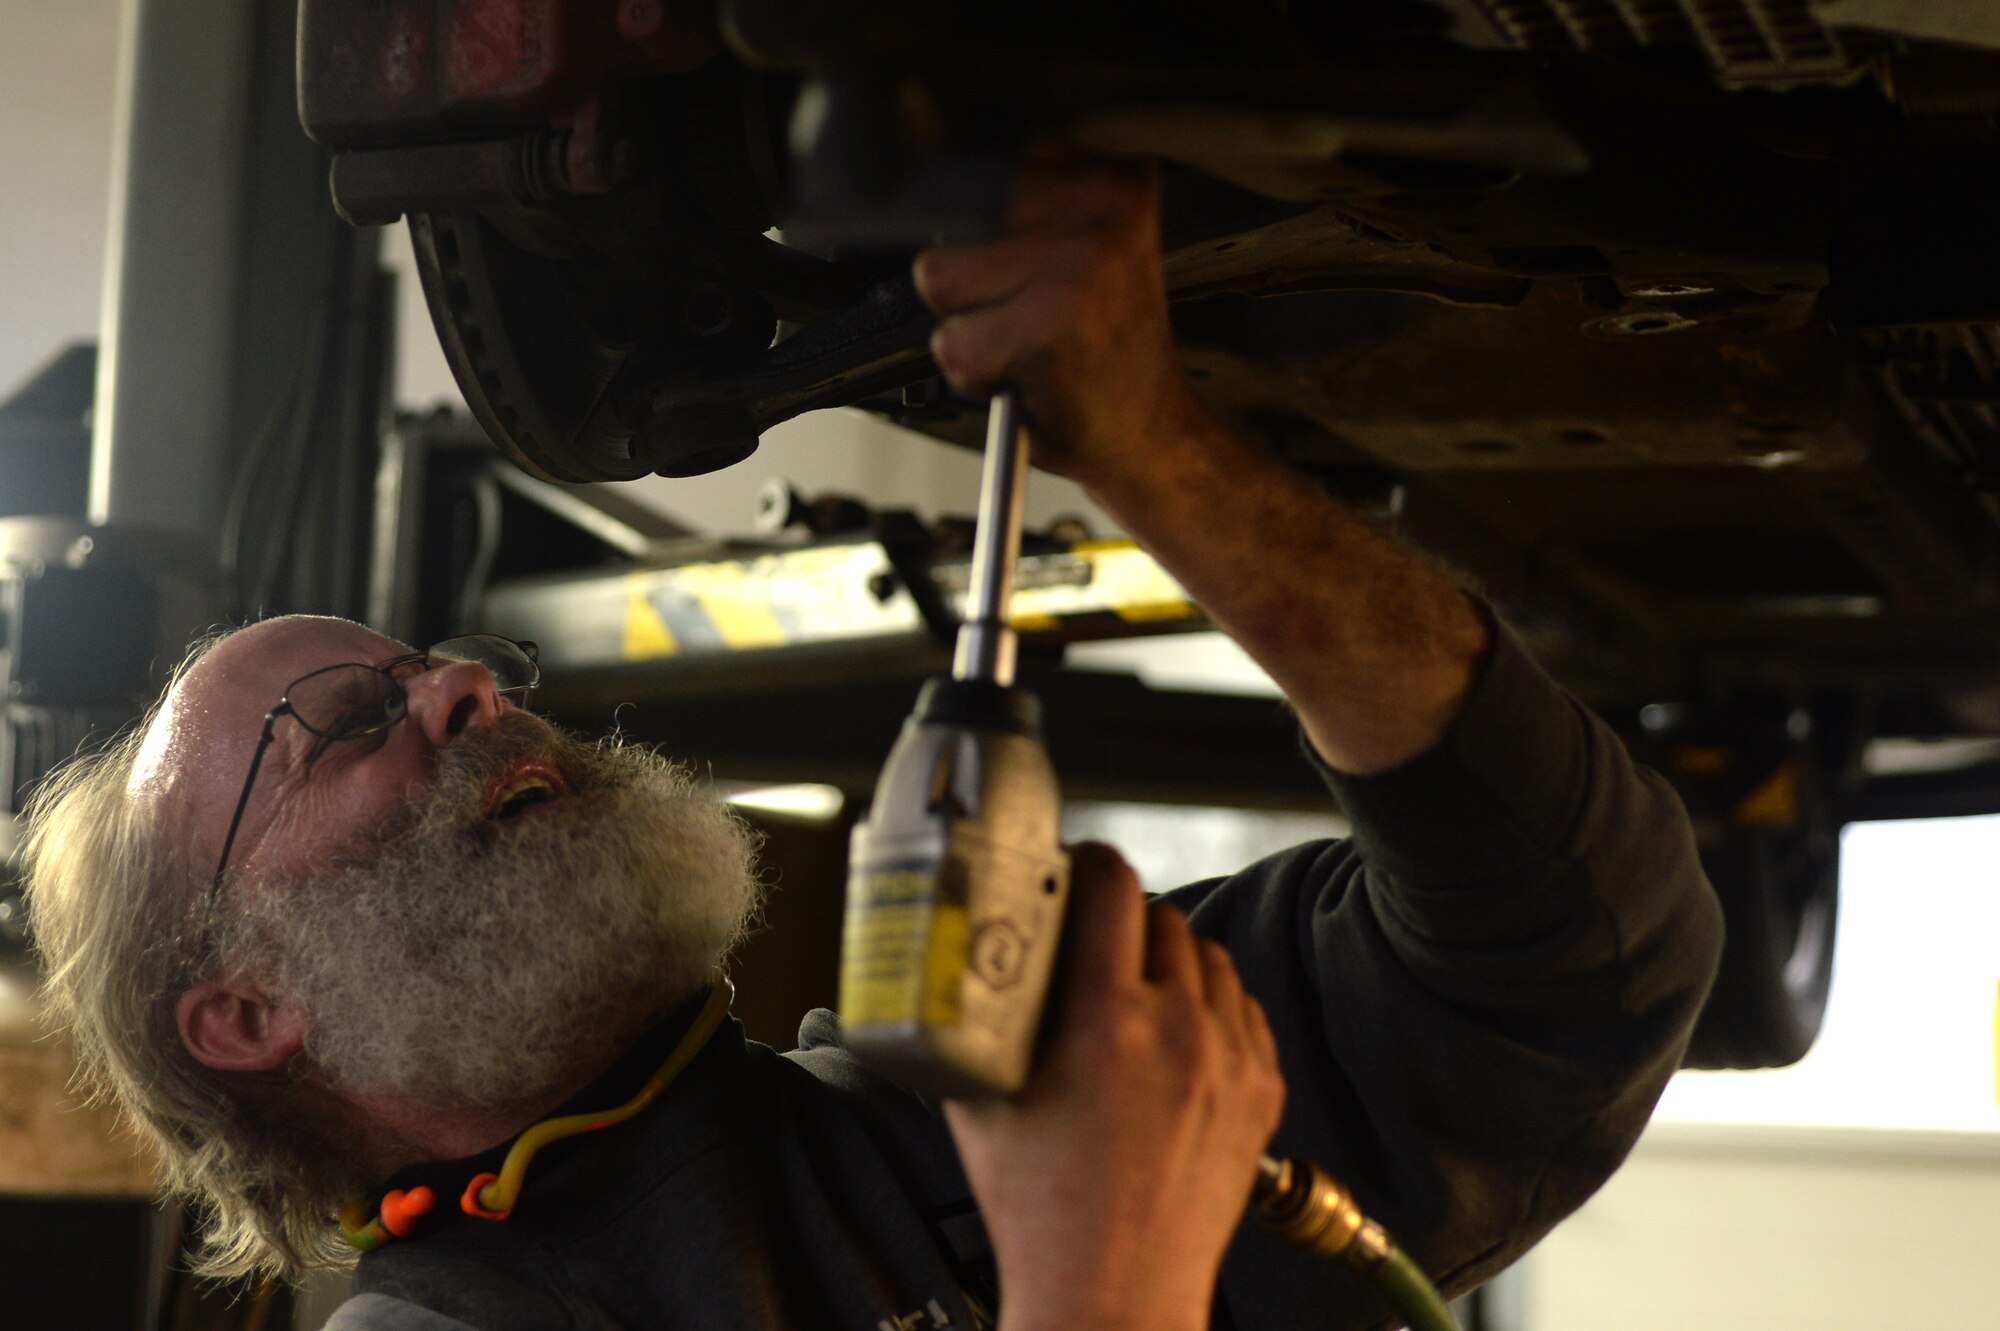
(1374, 647)
(1112, 1183)
(1069, 307)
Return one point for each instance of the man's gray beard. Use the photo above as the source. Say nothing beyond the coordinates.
(471, 963)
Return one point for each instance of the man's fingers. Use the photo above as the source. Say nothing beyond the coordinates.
(1221, 987)
(979, 351)
(978, 345)
(954, 278)
(1172, 959)
(1107, 920)
(1262, 1039)
(1240, 1014)
(1052, 205)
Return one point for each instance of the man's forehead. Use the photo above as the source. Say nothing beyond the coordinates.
(219, 705)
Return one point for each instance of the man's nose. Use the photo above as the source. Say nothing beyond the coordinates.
(448, 700)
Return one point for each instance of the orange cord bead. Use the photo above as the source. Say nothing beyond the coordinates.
(470, 1203)
(402, 1210)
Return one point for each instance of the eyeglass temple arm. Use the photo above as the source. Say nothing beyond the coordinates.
(243, 800)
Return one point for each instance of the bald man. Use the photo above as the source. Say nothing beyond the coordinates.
(342, 924)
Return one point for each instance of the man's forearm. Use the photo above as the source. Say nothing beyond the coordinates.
(1375, 648)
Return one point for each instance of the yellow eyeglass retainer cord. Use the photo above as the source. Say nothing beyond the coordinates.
(492, 1196)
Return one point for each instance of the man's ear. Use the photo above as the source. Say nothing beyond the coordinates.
(233, 1026)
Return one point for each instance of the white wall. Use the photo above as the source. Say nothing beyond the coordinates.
(57, 69)
(1812, 1230)
(1910, 1024)
(1856, 1191)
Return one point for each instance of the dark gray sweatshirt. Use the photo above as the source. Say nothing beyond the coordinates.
(1477, 1001)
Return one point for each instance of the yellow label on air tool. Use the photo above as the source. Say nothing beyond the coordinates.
(905, 948)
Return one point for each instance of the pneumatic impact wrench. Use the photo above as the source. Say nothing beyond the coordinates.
(957, 881)
(957, 884)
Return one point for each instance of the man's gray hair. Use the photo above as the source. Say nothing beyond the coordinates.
(117, 910)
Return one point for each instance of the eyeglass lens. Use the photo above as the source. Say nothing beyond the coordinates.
(511, 666)
(346, 701)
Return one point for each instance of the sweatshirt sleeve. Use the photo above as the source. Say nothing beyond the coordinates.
(1478, 998)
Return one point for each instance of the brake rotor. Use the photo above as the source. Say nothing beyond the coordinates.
(562, 314)
(551, 389)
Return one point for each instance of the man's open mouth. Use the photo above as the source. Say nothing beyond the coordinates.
(526, 784)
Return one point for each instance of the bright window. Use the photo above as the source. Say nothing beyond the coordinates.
(1909, 1034)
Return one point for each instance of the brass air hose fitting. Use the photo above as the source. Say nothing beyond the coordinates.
(1305, 1205)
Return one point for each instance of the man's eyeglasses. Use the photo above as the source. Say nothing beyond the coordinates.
(353, 700)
